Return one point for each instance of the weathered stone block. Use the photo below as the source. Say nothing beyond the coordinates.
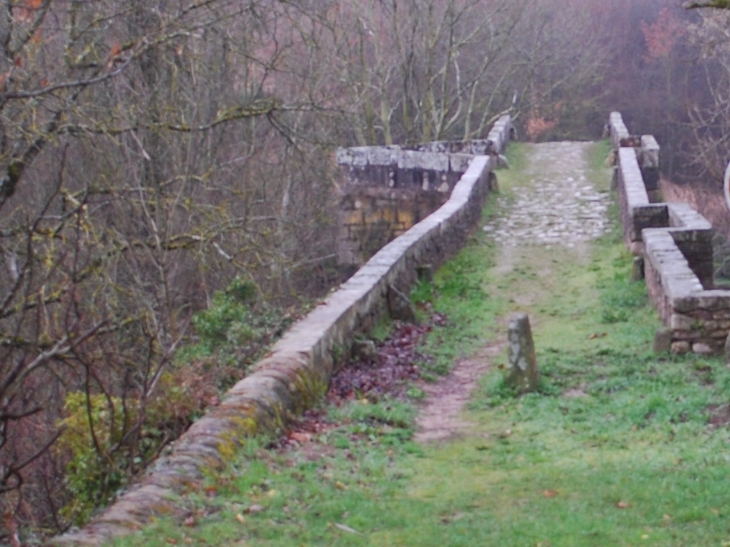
(701, 348)
(680, 347)
(679, 321)
(523, 375)
(649, 152)
(459, 162)
(662, 341)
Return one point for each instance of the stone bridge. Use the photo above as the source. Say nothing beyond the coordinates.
(403, 209)
(673, 247)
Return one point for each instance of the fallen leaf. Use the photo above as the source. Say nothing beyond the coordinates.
(340, 486)
(171, 541)
(240, 518)
(550, 493)
(300, 436)
(623, 504)
(346, 528)
(597, 335)
(190, 521)
(255, 508)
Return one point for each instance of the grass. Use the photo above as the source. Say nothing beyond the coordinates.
(614, 450)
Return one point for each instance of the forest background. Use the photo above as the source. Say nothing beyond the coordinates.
(168, 190)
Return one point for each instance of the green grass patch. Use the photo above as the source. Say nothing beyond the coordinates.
(331, 493)
(620, 447)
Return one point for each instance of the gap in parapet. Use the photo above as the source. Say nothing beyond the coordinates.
(385, 190)
(674, 243)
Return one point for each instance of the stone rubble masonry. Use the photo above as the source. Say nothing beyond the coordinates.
(387, 189)
(297, 371)
(675, 242)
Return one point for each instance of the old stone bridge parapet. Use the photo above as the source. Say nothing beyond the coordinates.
(387, 189)
(296, 372)
(675, 242)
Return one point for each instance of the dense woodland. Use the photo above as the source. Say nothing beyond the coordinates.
(167, 183)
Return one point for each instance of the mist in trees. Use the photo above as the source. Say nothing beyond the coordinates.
(157, 158)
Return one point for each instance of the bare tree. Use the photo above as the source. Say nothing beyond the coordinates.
(710, 118)
(149, 153)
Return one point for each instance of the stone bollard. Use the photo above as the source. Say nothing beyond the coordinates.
(523, 375)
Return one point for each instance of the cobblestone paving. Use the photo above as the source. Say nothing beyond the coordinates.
(558, 204)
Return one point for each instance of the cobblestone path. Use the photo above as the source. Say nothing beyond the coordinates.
(555, 206)
(558, 205)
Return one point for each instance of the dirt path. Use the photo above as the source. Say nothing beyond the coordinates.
(555, 205)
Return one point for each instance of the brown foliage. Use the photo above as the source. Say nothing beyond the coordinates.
(662, 35)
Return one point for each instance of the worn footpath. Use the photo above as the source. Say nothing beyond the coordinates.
(556, 205)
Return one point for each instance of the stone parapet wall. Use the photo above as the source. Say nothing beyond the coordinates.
(298, 369)
(675, 242)
(617, 129)
(648, 156)
(477, 147)
(387, 189)
(397, 167)
(500, 134)
(697, 319)
(692, 233)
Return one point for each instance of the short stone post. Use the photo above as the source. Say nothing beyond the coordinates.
(523, 375)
